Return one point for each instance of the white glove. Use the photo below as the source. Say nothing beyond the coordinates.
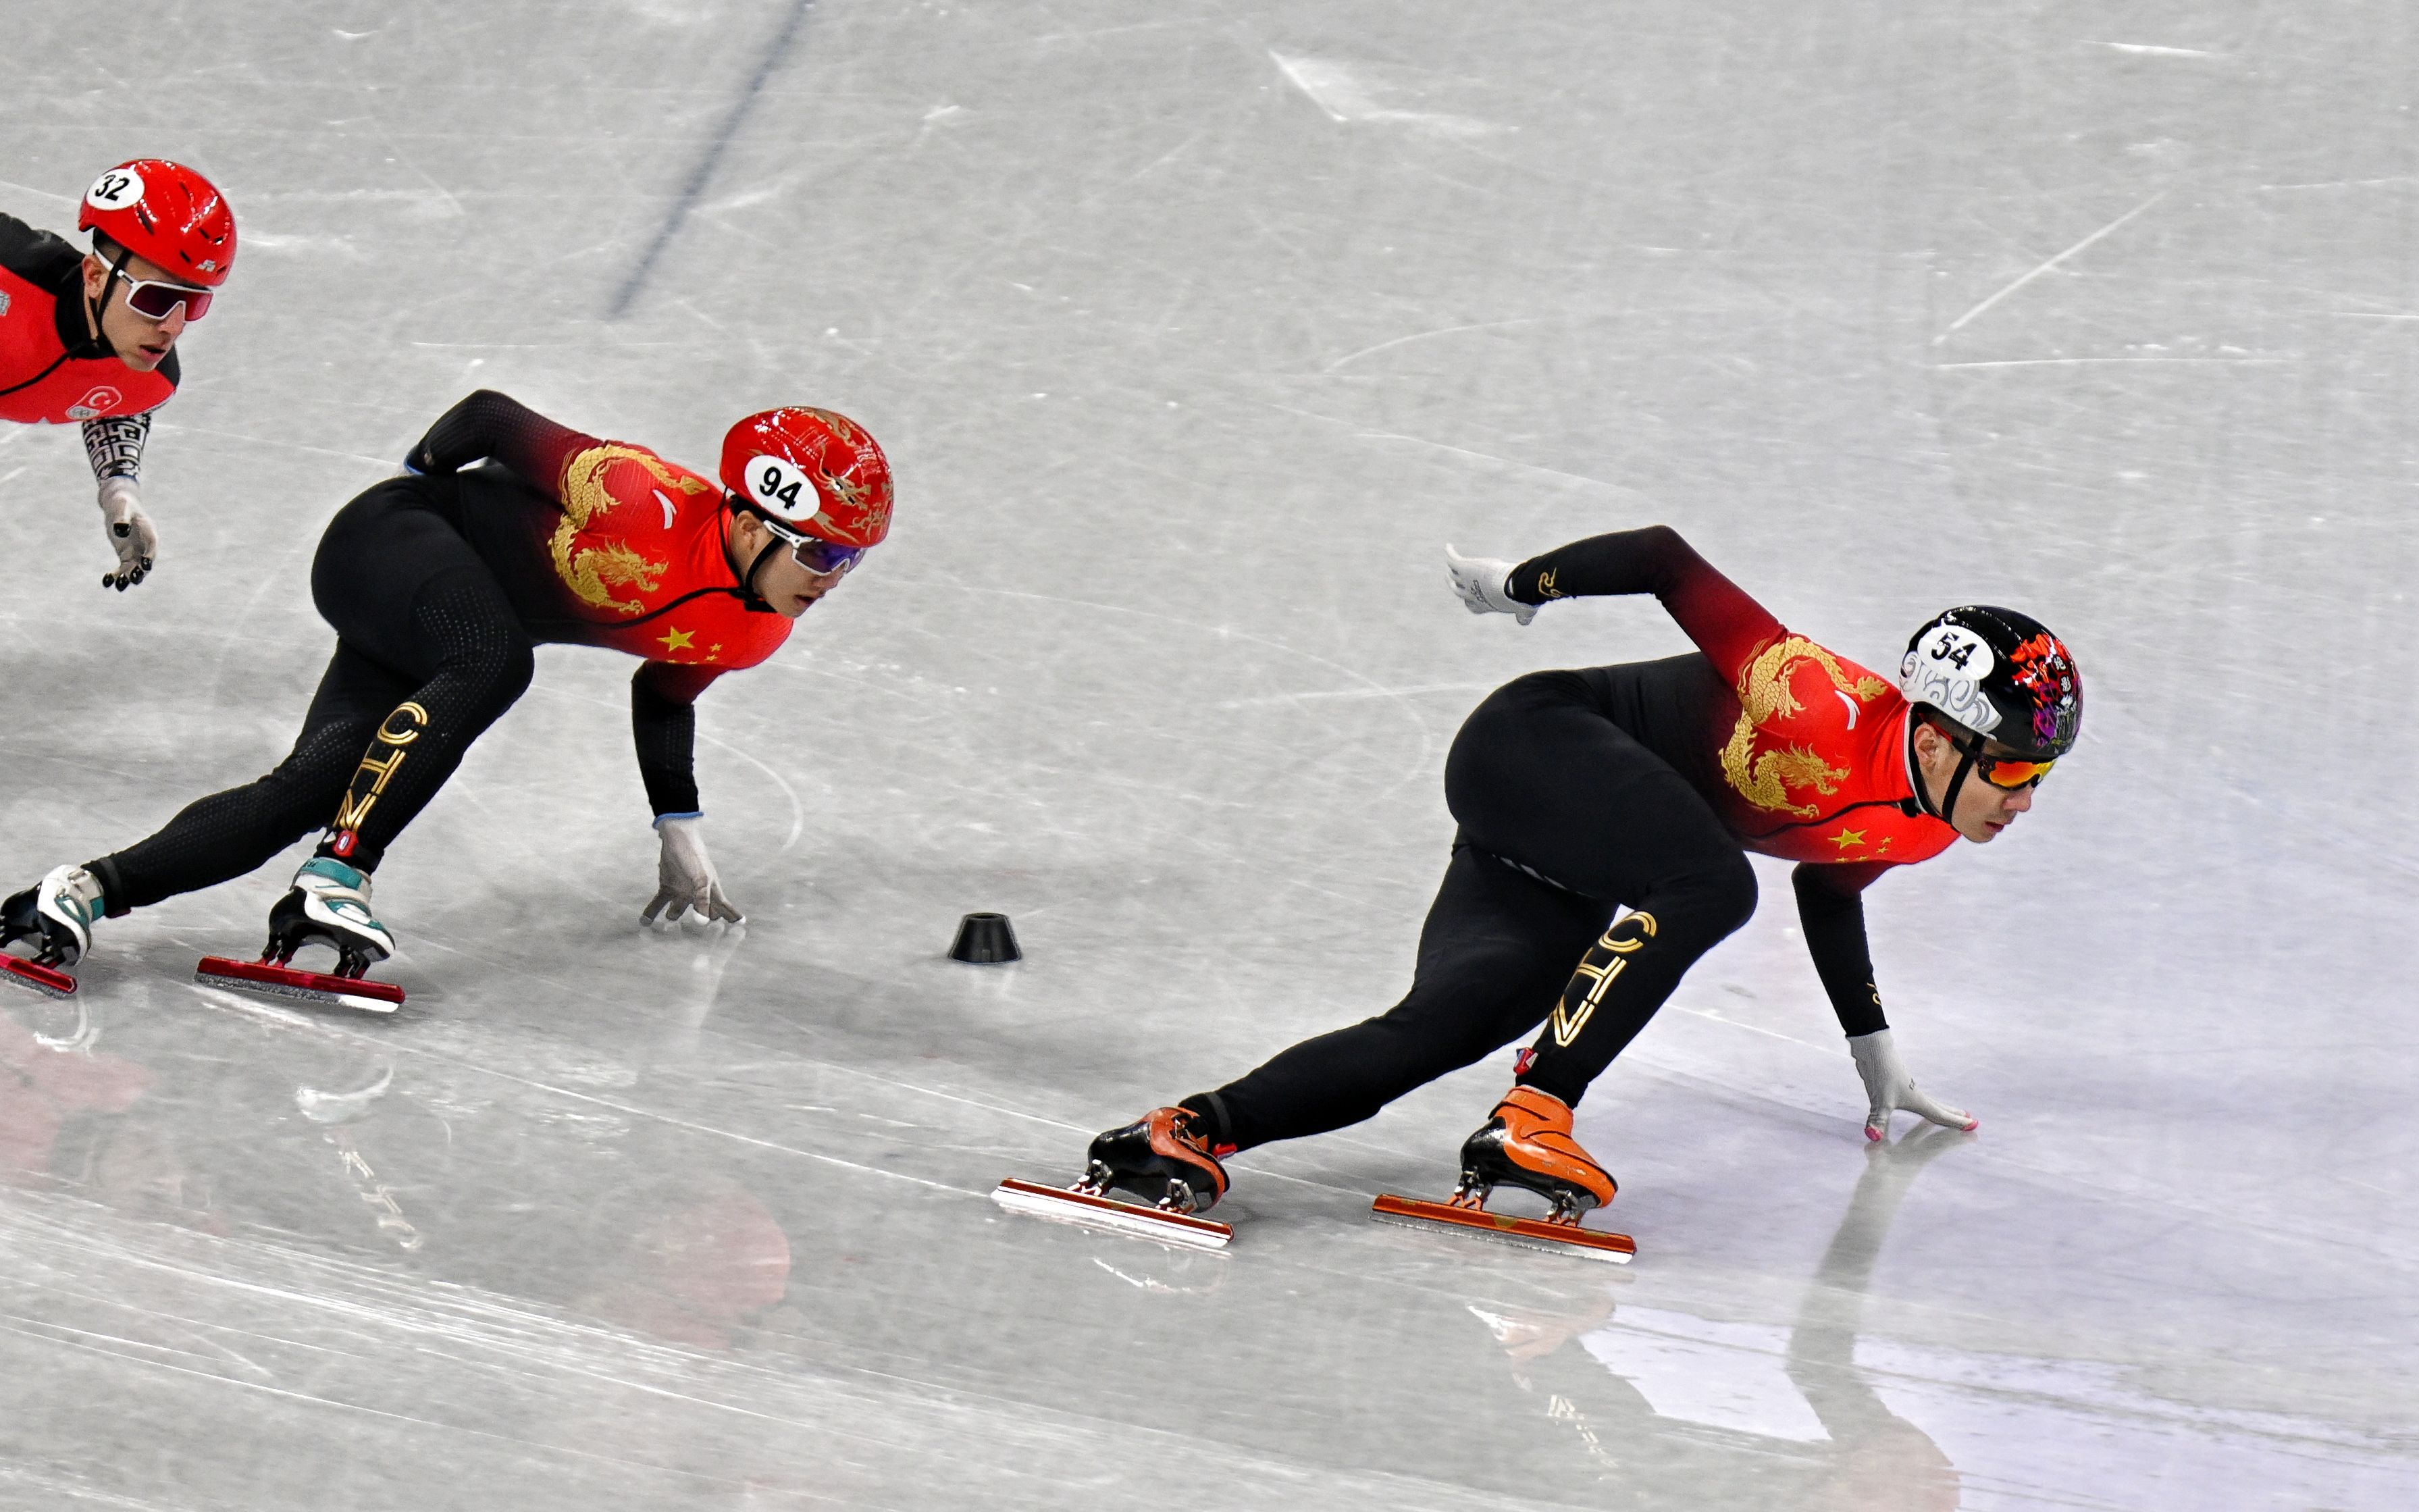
(684, 878)
(1888, 1088)
(1481, 582)
(130, 533)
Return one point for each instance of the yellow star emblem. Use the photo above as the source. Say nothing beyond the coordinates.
(673, 640)
(1847, 839)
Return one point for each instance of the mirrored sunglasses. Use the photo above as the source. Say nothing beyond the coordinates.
(819, 556)
(2002, 772)
(156, 300)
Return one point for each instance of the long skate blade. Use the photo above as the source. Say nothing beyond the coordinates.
(1563, 1239)
(34, 975)
(1060, 1205)
(288, 985)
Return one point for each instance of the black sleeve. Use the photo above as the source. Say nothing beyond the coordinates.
(1833, 910)
(490, 425)
(114, 444)
(663, 720)
(39, 257)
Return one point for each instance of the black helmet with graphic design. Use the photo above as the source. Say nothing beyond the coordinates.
(1997, 673)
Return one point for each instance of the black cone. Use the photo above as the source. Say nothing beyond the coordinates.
(984, 939)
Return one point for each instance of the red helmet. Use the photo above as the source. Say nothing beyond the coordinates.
(811, 472)
(164, 213)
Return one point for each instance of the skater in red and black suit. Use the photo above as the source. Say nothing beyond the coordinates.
(91, 337)
(1605, 815)
(439, 583)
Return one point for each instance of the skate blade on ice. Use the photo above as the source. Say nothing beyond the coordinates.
(287, 985)
(1066, 1205)
(47, 980)
(1563, 1239)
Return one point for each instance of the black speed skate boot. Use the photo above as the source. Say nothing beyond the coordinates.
(329, 904)
(1162, 1157)
(1527, 1143)
(56, 917)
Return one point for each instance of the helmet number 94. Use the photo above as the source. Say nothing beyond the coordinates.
(780, 485)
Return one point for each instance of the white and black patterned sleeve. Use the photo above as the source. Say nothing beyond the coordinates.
(114, 445)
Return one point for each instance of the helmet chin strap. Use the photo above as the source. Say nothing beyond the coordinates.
(747, 578)
(109, 286)
(756, 566)
(1948, 804)
(94, 310)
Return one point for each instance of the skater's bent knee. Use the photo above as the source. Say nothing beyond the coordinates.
(495, 674)
(1721, 898)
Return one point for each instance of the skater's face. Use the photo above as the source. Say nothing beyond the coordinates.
(141, 343)
(783, 581)
(1983, 809)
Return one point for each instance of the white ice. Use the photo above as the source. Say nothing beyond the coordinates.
(1195, 331)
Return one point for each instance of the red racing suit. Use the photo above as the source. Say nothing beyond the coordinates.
(1802, 753)
(602, 543)
(54, 370)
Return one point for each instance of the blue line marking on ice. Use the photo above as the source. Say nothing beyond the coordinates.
(704, 173)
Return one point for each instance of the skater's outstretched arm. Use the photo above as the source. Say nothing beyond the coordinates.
(663, 720)
(1726, 624)
(1832, 908)
(490, 425)
(663, 716)
(1833, 912)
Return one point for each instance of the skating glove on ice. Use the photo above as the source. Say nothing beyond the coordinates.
(130, 533)
(1480, 583)
(685, 879)
(1888, 1088)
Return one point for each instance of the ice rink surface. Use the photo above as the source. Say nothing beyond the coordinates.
(1195, 331)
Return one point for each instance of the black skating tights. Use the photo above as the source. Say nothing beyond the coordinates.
(1564, 819)
(428, 654)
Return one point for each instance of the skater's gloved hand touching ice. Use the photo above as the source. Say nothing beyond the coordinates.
(130, 533)
(684, 876)
(1482, 584)
(1890, 1088)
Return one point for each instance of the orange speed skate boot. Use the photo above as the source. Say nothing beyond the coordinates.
(1527, 1143)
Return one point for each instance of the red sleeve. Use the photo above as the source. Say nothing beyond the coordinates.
(1727, 625)
(488, 424)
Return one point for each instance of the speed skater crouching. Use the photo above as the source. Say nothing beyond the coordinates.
(439, 584)
(89, 338)
(1604, 820)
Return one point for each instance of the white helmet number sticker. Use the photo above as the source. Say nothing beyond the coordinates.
(781, 489)
(1946, 669)
(114, 190)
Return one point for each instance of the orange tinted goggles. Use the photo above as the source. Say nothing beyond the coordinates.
(2000, 771)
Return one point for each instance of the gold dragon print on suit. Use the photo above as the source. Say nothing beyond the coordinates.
(593, 572)
(1764, 694)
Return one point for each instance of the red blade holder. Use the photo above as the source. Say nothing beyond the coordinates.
(1566, 1238)
(47, 980)
(286, 985)
(1064, 1205)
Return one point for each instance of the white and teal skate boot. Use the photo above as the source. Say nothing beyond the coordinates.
(329, 904)
(56, 917)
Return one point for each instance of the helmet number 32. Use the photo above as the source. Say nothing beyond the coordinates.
(114, 190)
(782, 489)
